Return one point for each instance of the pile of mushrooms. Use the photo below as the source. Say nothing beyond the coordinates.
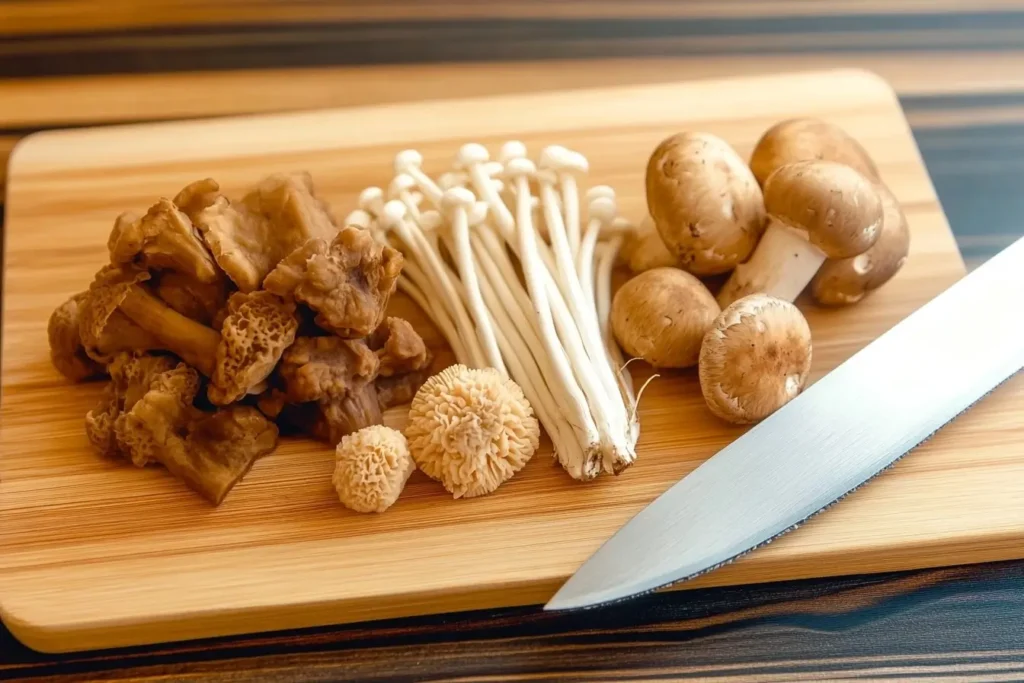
(809, 212)
(223, 322)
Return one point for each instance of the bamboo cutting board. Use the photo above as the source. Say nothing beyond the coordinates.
(96, 554)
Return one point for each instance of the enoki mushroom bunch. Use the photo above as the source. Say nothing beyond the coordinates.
(517, 277)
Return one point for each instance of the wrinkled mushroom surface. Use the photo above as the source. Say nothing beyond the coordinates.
(371, 468)
(399, 347)
(104, 329)
(67, 352)
(162, 239)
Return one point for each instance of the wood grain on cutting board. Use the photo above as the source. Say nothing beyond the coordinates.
(94, 553)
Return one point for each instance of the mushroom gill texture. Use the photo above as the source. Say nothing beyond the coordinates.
(471, 429)
(104, 329)
(371, 468)
(256, 331)
(249, 238)
(162, 239)
(347, 281)
(67, 352)
(807, 139)
(754, 359)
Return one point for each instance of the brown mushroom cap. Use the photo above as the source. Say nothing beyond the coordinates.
(104, 329)
(705, 202)
(644, 249)
(807, 139)
(846, 281)
(661, 316)
(835, 205)
(471, 429)
(755, 358)
(66, 349)
(371, 468)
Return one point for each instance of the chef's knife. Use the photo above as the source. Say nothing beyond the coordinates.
(840, 432)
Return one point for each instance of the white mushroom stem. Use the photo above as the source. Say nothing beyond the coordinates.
(782, 265)
(566, 165)
(409, 162)
(395, 219)
(457, 202)
(606, 257)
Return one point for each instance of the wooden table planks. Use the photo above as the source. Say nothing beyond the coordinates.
(282, 561)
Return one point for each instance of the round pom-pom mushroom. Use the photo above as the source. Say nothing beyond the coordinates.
(847, 281)
(662, 315)
(705, 202)
(471, 429)
(755, 358)
(371, 468)
(807, 139)
(817, 210)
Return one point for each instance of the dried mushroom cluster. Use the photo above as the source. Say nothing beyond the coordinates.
(221, 322)
(808, 212)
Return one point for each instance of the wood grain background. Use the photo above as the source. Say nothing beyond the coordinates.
(959, 70)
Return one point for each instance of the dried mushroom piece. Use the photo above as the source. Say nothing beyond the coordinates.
(399, 389)
(196, 196)
(250, 237)
(399, 348)
(159, 416)
(256, 331)
(348, 281)
(67, 352)
(163, 239)
(198, 301)
(104, 329)
(338, 375)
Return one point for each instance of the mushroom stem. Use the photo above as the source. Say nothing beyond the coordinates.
(782, 265)
(606, 257)
(196, 344)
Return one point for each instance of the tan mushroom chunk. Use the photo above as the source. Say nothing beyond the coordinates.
(817, 210)
(196, 196)
(336, 374)
(159, 417)
(662, 315)
(808, 139)
(399, 347)
(705, 202)
(644, 249)
(194, 300)
(846, 281)
(371, 468)
(163, 239)
(104, 329)
(250, 237)
(258, 328)
(399, 389)
(347, 281)
(755, 359)
(67, 352)
(471, 429)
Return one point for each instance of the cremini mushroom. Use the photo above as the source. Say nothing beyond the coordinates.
(754, 359)
(807, 139)
(817, 210)
(847, 281)
(371, 468)
(471, 429)
(705, 202)
(662, 315)
(644, 249)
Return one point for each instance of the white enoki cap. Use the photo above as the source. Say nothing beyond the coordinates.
(513, 149)
(406, 159)
(371, 200)
(403, 182)
(558, 158)
(457, 198)
(394, 212)
(601, 204)
(359, 218)
(471, 153)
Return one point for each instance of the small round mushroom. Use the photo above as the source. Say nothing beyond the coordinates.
(817, 210)
(644, 249)
(371, 468)
(807, 139)
(662, 315)
(846, 281)
(471, 429)
(754, 359)
(705, 202)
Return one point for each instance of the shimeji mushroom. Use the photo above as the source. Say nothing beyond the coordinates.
(847, 281)
(808, 139)
(754, 359)
(705, 202)
(817, 210)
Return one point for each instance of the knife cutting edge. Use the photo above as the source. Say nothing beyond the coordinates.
(839, 433)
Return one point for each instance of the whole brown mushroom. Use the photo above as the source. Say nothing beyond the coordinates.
(808, 139)
(662, 315)
(705, 202)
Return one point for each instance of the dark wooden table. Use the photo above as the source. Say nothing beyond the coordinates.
(959, 70)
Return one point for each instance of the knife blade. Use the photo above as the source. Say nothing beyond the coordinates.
(842, 431)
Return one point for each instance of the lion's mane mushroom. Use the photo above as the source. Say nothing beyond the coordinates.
(371, 468)
(754, 359)
(162, 239)
(662, 315)
(104, 329)
(337, 376)
(705, 202)
(808, 139)
(347, 281)
(250, 237)
(471, 429)
(817, 210)
(67, 352)
(847, 281)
